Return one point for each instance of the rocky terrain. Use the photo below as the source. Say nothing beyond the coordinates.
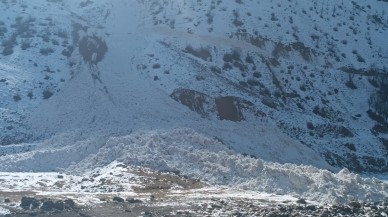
(163, 194)
(202, 207)
(239, 61)
(273, 108)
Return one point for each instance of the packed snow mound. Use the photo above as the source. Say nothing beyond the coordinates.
(189, 153)
(4, 211)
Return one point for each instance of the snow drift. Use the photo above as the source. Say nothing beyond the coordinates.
(186, 152)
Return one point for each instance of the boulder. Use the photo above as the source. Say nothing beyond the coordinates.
(29, 203)
(118, 199)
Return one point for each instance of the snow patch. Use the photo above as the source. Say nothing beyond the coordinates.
(4, 211)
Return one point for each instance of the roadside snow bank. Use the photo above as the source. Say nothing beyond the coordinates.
(194, 155)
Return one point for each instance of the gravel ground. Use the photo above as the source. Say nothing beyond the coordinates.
(181, 206)
(163, 194)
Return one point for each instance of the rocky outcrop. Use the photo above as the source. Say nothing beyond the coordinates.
(196, 101)
(229, 108)
(46, 204)
(224, 207)
(29, 203)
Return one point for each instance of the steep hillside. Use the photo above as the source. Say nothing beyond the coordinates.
(287, 81)
(190, 106)
(317, 69)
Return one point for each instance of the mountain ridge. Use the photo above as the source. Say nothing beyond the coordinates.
(293, 68)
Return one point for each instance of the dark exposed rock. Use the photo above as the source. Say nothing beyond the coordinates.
(375, 163)
(196, 101)
(29, 203)
(327, 113)
(233, 108)
(335, 131)
(349, 161)
(59, 205)
(118, 199)
(311, 207)
(283, 50)
(69, 204)
(203, 53)
(351, 146)
(48, 205)
(345, 210)
(133, 200)
(310, 126)
(92, 49)
(345, 132)
(147, 214)
(304, 51)
(355, 204)
(228, 109)
(214, 207)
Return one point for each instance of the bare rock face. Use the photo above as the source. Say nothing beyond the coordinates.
(46, 204)
(216, 206)
(196, 101)
(92, 49)
(29, 203)
(229, 108)
(118, 199)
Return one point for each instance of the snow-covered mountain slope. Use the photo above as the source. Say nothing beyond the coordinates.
(115, 96)
(299, 82)
(322, 62)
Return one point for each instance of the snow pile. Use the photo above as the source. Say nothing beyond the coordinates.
(4, 211)
(109, 178)
(18, 182)
(192, 154)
